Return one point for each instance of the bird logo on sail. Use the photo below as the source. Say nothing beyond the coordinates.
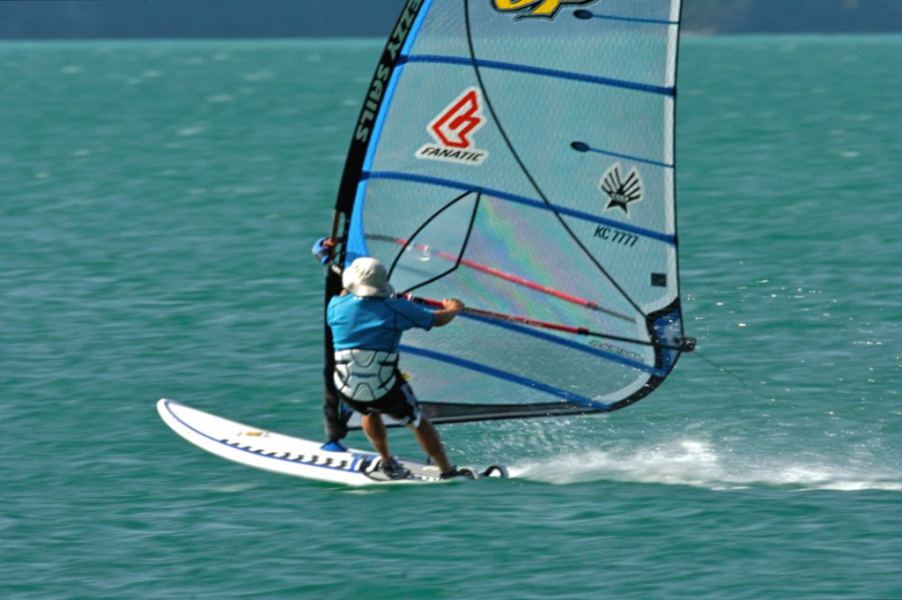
(621, 192)
(453, 129)
(537, 8)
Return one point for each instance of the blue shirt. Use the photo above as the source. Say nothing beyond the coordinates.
(374, 323)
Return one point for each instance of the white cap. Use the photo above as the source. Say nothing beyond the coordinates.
(366, 277)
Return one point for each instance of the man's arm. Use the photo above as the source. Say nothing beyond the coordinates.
(450, 309)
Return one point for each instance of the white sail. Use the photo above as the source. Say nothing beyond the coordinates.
(519, 155)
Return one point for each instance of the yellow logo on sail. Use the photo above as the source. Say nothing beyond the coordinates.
(537, 8)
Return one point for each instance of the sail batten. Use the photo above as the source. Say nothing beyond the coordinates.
(520, 157)
(583, 147)
(587, 14)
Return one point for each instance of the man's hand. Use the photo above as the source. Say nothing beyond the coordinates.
(453, 304)
(322, 249)
(451, 307)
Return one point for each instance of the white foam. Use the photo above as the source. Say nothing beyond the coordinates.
(698, 463)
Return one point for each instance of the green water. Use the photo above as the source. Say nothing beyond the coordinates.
(157, 202)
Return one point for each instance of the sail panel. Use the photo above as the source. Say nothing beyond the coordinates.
(633, 40)
(521, 159)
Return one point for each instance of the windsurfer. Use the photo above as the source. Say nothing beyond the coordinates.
(366, 324)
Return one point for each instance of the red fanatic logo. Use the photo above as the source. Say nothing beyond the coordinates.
(453, 129)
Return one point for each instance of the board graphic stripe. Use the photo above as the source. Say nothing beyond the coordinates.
(234, 447)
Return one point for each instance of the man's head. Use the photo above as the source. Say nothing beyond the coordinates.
(366, 277)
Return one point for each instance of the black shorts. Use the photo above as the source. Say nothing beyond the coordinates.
(400, 403)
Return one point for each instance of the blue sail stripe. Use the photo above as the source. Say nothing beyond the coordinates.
(459, 185)
(498, 373)
(573, 76)
(610, 356)
(632, 19)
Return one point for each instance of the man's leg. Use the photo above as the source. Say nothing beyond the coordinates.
(374, 429)
(429, 440)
